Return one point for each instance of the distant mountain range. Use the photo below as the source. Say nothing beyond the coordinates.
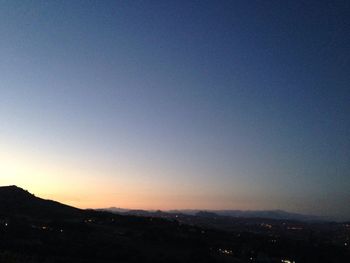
(268, 214)
(28, 204)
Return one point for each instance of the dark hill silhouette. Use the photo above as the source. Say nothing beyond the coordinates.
(36, 230)
(17, 201)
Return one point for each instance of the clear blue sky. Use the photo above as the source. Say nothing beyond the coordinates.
(178, 104)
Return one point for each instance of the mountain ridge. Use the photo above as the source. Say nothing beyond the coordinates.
(17, 201)
(269, 214)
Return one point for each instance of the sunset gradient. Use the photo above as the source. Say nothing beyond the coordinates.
(177, 104)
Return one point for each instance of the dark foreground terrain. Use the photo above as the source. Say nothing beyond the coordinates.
(37, 230)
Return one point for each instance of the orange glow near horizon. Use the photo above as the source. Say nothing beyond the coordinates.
(133, 201)
(60, 180)
(84, 184)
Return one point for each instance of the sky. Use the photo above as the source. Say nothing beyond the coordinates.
(178, 104)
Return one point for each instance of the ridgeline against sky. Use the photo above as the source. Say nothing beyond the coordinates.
(178, 104)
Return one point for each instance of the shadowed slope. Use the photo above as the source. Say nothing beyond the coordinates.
(17, 201)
